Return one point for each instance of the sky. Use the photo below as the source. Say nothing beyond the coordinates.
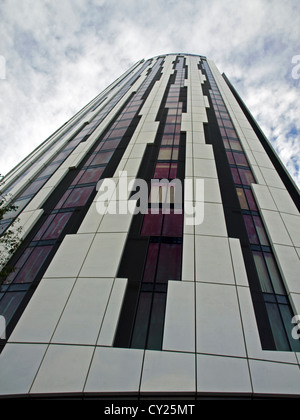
(57, 55)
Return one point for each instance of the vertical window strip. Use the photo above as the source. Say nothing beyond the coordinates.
(142, 317)
(266, 266)
(32, 260)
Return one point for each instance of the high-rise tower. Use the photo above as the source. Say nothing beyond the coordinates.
(161, 245)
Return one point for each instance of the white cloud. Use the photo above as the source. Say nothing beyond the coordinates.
(62, 53)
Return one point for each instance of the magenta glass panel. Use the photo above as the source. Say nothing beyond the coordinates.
(167, 140)
(150, 268)
(77, 179)
(231, 133)
(227, 124)
(222, 131)
(102, 158)
(43, 229)
(49, 170)
(173, 225)
(19, 266)
(34, 187)
(236, 177)
(230, 158)
(240, 159)
(242, 199)
(33, 265)
(63, 199)
(111, 144)
(165, 153)
(253, 239)
(175, 153)
(246, 176)
(261, 231)
(152, 225)
(162, 171)
(235, 145)
(91, 175)
(173, 171)
(78, 197)
(176, 140)
(57, 226)
(169, 264)
(251, 201)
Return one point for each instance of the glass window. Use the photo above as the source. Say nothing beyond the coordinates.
(274, 274)
(175, 153)
(261, 231)
(91, 175)
(156, 327)
(140, 331)
(235, 145)
(10, 303)
(230, 158)
(251, 201)
(22, 260)
(173, 225)
(253, 238)
(43, 229)
(167, 140)
(242, 199)
(227, 123)
(150, 267)
(162, 171)
(231, 133)
(287, 316)
(279, 334)
(102, 158)
(152, 225)
(63, 199)
(166, 270)
(236, 176)
(165, 153)
(240, 159)
(57, 226)
(111, 144)
(262, 272)
(78, 197)
(246, 176)
(173, 171)
(49, 170)
(34, 187)
(33, 265)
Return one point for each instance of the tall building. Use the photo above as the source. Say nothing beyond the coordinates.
(160, 252)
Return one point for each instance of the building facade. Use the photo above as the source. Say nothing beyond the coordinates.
(160, 248)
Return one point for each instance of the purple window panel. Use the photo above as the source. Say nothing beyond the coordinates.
(246, 177)
(169, 264)
(152, 225)
(57, 226)
(253, 238)
(251, 201)
(173, 225)
(78, 197)
(33, 265)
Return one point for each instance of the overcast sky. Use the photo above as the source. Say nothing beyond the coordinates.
(60, 54)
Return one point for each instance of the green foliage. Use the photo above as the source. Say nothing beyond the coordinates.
(9, 239)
